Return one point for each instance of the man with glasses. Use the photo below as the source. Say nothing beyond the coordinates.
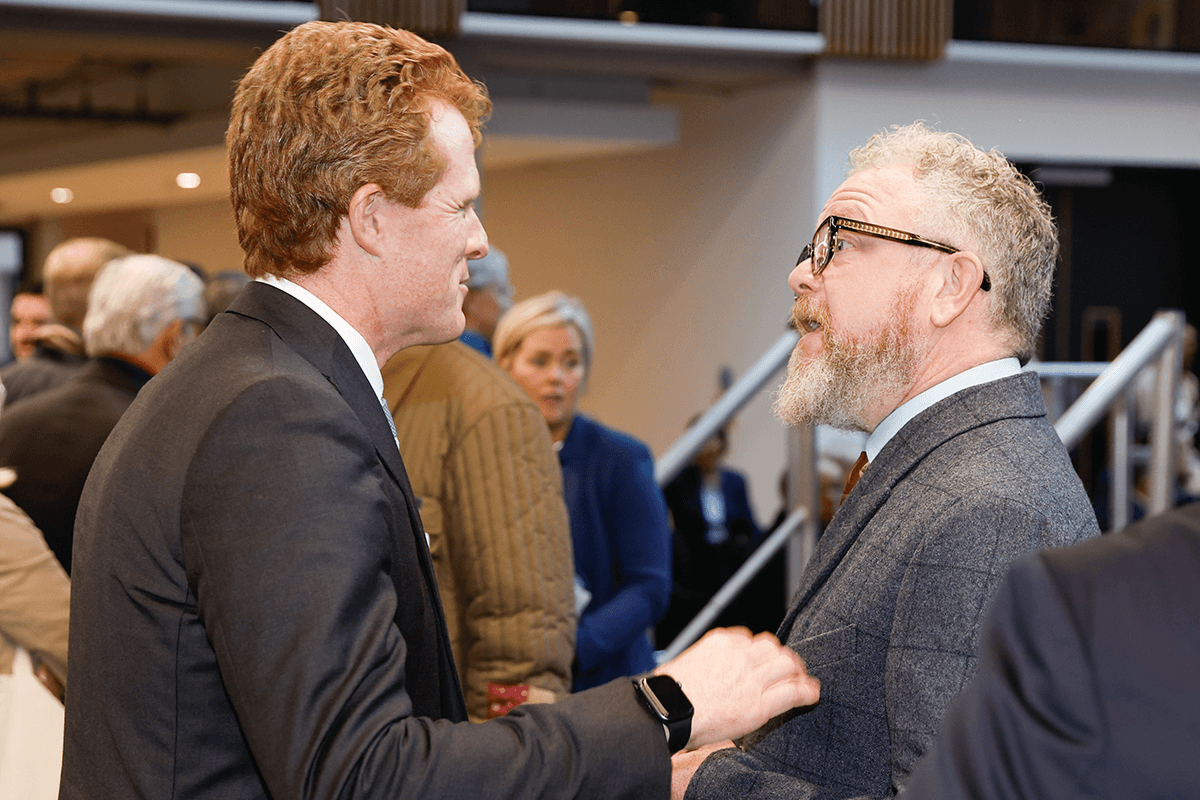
(918, 299)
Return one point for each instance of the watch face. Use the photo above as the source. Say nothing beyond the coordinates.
(672, 703)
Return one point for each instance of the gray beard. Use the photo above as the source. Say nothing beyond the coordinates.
(839, 386)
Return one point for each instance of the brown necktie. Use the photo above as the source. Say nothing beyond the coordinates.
(855, 473)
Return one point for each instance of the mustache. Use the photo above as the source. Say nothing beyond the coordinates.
(806, 308)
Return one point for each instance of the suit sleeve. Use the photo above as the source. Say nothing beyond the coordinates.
(1029, 725)
(635, 522)
(509, 544)
(293, 582)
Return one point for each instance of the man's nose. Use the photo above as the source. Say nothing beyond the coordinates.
(802, 278)
(478, 247)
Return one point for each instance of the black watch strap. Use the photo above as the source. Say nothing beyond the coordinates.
(663, 697)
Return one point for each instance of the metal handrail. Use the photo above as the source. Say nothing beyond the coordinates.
(1158, 346)
(1163, 330)
(672, 462)
(736, 583)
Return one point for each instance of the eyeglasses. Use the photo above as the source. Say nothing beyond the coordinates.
(825, 242)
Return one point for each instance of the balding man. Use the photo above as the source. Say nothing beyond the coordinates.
(920, 294)
(143, 310)
(58, 353)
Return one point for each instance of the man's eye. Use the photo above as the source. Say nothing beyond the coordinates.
(571, 363)
(840, 244)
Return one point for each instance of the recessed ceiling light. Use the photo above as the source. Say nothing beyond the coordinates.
(187, 180)
(62, 195)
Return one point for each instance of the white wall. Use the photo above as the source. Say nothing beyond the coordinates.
(1060, 105)
(201, 233)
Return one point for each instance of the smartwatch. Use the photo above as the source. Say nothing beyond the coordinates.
(663, 697)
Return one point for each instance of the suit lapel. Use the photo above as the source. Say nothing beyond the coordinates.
(1013, 397)
(312, 338)
(848, 521)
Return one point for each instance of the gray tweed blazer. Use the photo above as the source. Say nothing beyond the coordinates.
(889, 609)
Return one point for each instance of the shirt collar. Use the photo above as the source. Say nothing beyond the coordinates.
(354, 340)
(895, 421)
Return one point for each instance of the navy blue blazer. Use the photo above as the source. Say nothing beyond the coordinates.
(622, 548)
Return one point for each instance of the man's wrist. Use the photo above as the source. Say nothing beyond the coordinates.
(663, 698)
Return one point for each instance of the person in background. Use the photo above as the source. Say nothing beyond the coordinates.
(923, 289)
(68, 273)
(713, 532)
(30, 310)
(489, 295)
(142, 310)
(1087, 676)
(35, 599)
(35, 594)
(221, 288)
(619, 527)
(254, 612)
(490, 491)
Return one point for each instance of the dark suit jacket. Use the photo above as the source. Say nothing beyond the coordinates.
(46, 369)
(1087, 685)
(888, 610)
(52, 438)
(254, 612)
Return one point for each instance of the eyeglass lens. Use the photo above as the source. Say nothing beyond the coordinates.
(819, 249)
(822, 247)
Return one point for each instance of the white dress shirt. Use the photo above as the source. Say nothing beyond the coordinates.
(354, 340)
(893, 422)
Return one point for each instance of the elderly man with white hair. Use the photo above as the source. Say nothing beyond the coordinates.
(142, 310)
(918, 298)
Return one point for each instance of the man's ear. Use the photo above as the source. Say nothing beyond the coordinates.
(363, 215)
(961, 276)
(171, 339)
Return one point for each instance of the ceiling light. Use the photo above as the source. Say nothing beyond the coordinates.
(62, 195)
(187, 180)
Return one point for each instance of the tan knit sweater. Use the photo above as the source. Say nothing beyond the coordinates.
(479, 457)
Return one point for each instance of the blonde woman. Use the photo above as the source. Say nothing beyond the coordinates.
(619, 525)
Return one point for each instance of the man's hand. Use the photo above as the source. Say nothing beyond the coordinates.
(684, 765)
(737, 682)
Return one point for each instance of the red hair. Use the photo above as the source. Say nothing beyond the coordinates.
(328, 108)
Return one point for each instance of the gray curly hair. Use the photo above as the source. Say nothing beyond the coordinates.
(978, 201)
